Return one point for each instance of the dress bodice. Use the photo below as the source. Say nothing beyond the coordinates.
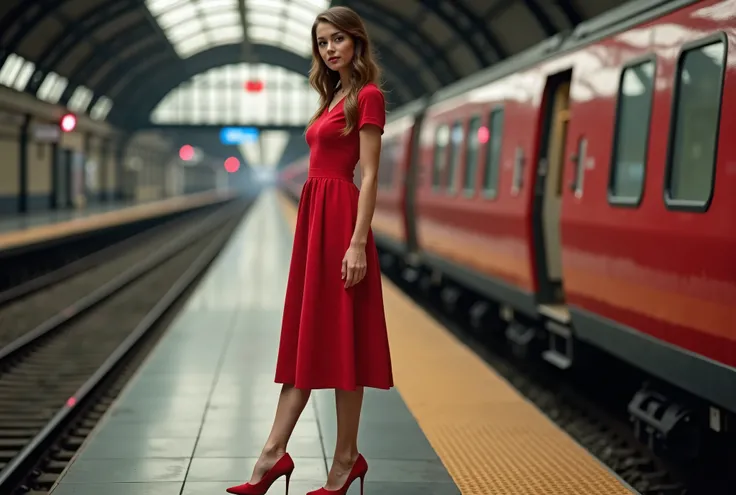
(333, 155)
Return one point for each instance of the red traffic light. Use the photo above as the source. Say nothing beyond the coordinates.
(232, 164)
(186, 152)
(68, 122)
(254, 86)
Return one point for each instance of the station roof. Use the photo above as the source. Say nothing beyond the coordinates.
(131, 53)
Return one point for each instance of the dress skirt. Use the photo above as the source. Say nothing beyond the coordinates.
(331, 337)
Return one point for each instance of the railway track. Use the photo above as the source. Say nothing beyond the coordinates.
(48, 296)
(67, 349)
(19, 265)
(583, 405)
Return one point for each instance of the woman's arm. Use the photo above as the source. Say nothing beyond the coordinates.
(354, 263)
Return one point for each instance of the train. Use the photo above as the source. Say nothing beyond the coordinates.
(583, 190)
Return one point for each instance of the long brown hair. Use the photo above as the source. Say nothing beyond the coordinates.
(365, 69)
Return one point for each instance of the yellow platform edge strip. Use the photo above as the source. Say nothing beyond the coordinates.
(491, 440)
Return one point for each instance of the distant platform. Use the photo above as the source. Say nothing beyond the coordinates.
(34, 228)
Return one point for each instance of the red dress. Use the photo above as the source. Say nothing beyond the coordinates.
(332, 337)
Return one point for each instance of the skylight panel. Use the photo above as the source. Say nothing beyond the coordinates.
(221, 19)
(24, 75)
(264, 35)
(217, 97)
(185, 30)
(182, 13)
(292, 31)
(227, 35)
(261, 19)
(11, 68)
(189, 46)
(193, 26)
(296, 44)
(101, 108)
(52, 88)
(158, 6)
(80, 99)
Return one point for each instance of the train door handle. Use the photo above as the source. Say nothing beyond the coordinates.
(542, 170)
(579, 159)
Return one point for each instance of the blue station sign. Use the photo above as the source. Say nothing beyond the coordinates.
(238, 135)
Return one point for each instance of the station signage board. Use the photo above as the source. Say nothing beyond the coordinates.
(232, 136)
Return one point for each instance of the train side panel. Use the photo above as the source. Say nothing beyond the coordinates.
(293, 176)
(648, 232)
(389, 223)
(474, 194)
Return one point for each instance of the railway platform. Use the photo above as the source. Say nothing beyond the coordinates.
(34, 228)
(194, 418)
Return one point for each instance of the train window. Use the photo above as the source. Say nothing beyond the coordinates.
(456, 139)
(471, 154)
(493, 153)
(631, 135)
(695, 123)
(440, 147)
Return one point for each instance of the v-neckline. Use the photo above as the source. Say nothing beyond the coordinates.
(329, 110)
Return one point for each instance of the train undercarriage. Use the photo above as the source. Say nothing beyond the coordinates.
(675, 425)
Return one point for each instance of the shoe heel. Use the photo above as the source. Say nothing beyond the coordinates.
(362, 480)
(288, 478)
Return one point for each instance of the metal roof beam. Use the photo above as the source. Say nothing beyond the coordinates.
(22, 19)
(541, 17)
(457, 13)
(425, 48)
(571, 13)
(78, 30)
(97, 60)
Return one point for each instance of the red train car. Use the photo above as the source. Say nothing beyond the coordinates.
(586, 187)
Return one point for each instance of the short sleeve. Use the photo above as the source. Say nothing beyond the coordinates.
(371, 107)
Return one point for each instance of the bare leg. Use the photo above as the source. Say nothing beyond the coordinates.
(346, 449)
(291, 404)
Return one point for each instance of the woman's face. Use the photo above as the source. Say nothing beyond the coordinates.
(335, 47)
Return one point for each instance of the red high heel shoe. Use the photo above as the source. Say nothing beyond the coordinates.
(359, 470)
(283, 467)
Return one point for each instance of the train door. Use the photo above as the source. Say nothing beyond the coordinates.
(410, 186)
(547, 205)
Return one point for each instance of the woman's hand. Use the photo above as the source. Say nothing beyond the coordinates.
(353, 265)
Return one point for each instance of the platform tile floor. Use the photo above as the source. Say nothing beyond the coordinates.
(195, 417)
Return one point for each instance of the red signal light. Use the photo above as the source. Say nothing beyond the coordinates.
(232, 164)
(68, 122)
(254, 86)
(483, 135)
(186, 152)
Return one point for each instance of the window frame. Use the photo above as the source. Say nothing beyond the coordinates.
(458, 149)
(439, 173)
(683, 204)
(470, 192)
(492, 194)
(625, 201)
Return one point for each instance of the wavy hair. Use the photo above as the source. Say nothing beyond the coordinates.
(365, 69)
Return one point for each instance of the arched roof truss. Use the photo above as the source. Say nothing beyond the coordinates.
(123, 56)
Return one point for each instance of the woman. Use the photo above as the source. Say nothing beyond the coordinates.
(333, 332)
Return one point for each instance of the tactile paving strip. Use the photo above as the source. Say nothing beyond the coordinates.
(491, 440)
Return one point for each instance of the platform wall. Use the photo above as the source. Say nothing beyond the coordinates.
(94, 163)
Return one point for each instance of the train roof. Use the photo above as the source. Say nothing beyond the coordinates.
(619, 19)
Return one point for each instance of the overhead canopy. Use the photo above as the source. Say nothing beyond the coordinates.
(128, 54)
